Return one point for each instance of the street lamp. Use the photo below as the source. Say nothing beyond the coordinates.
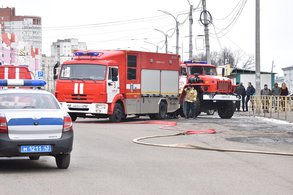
(177, 29)
(156, 45)
(166, 37)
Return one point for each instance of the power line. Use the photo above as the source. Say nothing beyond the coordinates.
(226, 30)
(230, 12)
(111, 23)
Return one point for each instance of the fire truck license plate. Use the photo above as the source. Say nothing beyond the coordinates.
(78, 106)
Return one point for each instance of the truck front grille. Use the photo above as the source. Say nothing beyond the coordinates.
(224, 86)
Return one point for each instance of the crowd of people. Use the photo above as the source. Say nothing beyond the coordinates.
(245, 95)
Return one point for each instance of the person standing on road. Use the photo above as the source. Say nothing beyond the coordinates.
(249, 92)
(276, 91)
(284, 92)
(240, 90)
(190, 98)
(265, 93)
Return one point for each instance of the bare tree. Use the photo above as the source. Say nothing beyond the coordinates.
(248, 63)
(237, 59)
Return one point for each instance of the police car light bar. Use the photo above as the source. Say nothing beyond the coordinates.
(22, 82)
(86, 53)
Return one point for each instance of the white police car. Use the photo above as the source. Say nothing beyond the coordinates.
(33, 124)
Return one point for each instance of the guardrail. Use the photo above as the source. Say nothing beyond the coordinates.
(280, 107)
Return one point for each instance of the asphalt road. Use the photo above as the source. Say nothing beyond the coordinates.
(106, 161)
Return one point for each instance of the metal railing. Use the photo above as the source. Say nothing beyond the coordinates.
(280, 107)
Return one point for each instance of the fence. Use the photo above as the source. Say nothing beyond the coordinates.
(280, 107)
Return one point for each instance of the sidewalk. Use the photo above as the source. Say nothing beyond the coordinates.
(288, 116)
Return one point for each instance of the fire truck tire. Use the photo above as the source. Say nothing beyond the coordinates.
(226, 110)
(162, 111)
(73, 116)
(117, 113)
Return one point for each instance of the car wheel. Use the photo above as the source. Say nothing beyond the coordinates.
(34, 157)
(62, 161)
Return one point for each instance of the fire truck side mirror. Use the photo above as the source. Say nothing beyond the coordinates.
(55, 74)
(223, 72)
(183, 71)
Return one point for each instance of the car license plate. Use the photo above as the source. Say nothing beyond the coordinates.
(35, 148)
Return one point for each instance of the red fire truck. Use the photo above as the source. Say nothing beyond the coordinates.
(215, 93)
(114, 84)
(14, 72)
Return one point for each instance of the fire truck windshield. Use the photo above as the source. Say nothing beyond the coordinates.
(202, 70)
(83, 72)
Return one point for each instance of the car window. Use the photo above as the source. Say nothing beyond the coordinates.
(28, 101)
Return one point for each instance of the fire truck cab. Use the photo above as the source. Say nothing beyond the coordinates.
(214, 92)
(114, 84)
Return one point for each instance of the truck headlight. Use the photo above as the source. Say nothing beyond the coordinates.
(100, 106)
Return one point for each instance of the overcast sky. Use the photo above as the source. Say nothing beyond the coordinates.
(130, 24)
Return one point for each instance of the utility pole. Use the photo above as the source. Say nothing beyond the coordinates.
(190, 30)
(206, 23)
(177, 37)
(257, 47)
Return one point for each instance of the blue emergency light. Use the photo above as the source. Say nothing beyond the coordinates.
(194, 62)
(22, 82)
(86, 53)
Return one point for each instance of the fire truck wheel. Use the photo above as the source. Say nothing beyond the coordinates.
(226, 110)
(73, 116)
(117, 113)
(162, 111)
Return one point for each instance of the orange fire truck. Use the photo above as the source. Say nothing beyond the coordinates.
(114, 84)
(215, 93)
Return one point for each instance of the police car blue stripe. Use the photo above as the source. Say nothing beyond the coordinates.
(30, 121)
